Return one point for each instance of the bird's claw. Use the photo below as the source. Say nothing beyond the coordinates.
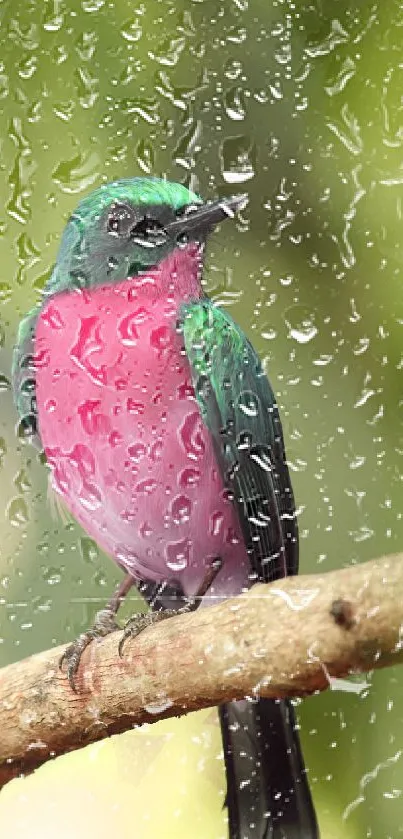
(141, 621)
(104, 624)
(70, 660)
(137, 623)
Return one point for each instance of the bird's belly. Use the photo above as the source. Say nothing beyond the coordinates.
(125, 440)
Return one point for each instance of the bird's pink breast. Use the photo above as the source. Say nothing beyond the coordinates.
(123, 434)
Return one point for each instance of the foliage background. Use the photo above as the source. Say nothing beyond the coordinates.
(300, 104)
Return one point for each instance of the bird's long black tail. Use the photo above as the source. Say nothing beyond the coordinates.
(268, 796)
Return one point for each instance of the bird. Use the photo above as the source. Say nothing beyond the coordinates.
(164, 441)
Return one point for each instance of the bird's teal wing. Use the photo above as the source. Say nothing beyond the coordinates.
(23, 377)
(267, 789)
(239, 408)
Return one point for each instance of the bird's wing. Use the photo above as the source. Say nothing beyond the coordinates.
(23, 377)
(239, 408)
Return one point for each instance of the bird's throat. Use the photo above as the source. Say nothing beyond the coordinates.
(177, 277)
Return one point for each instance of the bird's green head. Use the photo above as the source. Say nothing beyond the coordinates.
(128, 226)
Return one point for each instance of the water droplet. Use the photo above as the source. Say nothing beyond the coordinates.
(3, 449)
(17, 512)
(127, 558)
(192, 437)
(145, 530)
(5, 383)
(243, 442)
(182, 240)
(249, 403)
(235, 103)
(160, 338)
(344, 74)
(92, 5)
(90, 497)
(127, 330)
(80, 172)
(301, 324)
(42, 604)
(100, 578)
(92, 419)
(189, 478)
(50, 405)
(82, 458)
(145, 156)
(40, 359)
(27, 66)
(128, 515)
(231, 537)
(336, 36)
(216, 522)
(89, 342)
(233, 69)
(22, 482)
(5, 292)
(64, 110)
(113, 263)
(4, 86)
(131, 30)
(135, 407)
(185, 390)
(156, 399)
(86, 84)
(89, 550)
(52, 576)
(238, 156)
(261, 456)
(180, 509)
(121, 384)
(43, 548)
(159, 706)
(145, 108)
(137, 451)
(156, 450)
(347, 129)
(268, 332)
(236, 35)
(146, 487)
(357, 461)
(141, 315)
(177, 554)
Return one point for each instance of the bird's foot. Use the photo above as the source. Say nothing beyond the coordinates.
(141, 621)
(104, 624)
(137, 623)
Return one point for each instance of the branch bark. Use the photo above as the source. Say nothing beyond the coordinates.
(289, 638)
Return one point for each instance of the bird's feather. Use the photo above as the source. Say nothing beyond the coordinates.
(268, 796)
(239, 408)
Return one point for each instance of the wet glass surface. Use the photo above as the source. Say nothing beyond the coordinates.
(300, 108)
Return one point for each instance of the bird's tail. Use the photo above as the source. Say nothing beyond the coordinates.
(268, 795)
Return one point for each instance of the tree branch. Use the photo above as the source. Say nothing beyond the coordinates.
(289, 638)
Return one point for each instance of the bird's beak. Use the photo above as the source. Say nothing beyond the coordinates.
(204, 217)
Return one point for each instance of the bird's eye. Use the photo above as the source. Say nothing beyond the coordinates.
(120, 219)
(113, 225)
(146, 228)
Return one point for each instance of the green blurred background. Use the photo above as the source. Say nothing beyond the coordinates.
(301, 106)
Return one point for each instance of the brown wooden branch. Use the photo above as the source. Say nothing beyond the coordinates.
(285, 639)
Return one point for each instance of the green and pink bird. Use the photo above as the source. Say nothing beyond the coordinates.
(164, 440)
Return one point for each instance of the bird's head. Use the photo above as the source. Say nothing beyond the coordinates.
(129, 226)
